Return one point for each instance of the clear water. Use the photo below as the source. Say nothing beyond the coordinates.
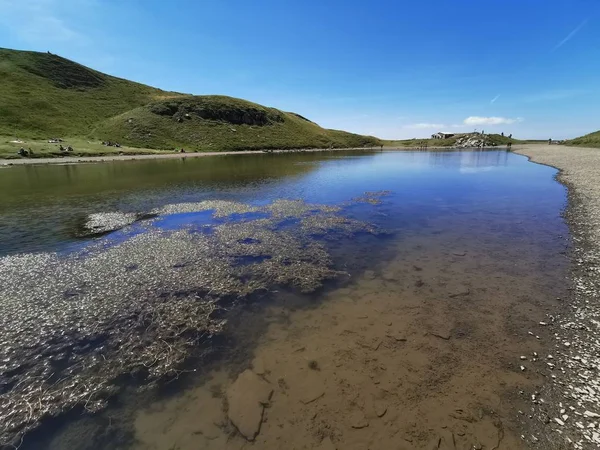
(482, 227)
(41, 206)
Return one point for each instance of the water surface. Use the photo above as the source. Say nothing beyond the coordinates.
(410, 277)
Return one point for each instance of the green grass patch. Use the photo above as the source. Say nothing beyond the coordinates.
(589, 140)
(43, 96)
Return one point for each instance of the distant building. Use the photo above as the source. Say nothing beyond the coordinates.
(442, 135)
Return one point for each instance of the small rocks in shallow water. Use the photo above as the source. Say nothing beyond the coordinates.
(522, 368)
(523, 358)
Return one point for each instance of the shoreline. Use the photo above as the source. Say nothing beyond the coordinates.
(567, 410)
(135, 156)
(140, 156)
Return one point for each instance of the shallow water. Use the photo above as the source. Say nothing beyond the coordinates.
(445, 270)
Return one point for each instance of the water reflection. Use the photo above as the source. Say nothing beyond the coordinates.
(435, 308)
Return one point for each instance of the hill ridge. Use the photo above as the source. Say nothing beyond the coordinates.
(45, 95)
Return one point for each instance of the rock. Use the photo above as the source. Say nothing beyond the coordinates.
(459, 253)
(591, 414)
(247, 397)
(312, 391)
(462, 292)
(358, 420)
(397, 337)
(442, 334)
(380, 409)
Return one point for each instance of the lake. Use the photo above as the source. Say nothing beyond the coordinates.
(302, 300)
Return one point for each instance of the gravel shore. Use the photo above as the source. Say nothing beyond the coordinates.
(567, 412)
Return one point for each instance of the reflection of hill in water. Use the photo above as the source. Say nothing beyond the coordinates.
(53, 200)
(38, 184)
(476, 159)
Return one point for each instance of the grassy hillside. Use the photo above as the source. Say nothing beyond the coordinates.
(44, 95)
(589, 140)
(220, 123)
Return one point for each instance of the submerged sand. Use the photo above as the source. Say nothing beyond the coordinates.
(424, 352)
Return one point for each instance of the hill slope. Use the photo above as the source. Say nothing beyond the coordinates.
(220, 123)
(589, 140)
(43, 95)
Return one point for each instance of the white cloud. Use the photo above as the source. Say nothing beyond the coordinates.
(421, 126)
(494, 99)
(476, 120)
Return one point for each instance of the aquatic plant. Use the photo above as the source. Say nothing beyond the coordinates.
(74, 325)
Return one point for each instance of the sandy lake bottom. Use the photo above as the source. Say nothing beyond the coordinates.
(355, 301)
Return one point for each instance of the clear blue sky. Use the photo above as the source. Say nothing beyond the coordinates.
(395, 69)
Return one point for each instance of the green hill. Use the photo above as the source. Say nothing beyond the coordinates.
(220, 123)
(43, 95)
(589, 140)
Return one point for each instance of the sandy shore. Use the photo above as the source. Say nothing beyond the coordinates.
(570, 406)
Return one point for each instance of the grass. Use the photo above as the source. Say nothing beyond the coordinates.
(219, 123)
(589, 140)
(81, 147)
(44, 96)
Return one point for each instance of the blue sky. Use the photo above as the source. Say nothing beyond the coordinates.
(395, 69)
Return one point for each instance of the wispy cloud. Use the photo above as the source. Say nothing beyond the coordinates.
(570, 35)
(494, 99)
(40, 22)
(422, 126)
(476, 120)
